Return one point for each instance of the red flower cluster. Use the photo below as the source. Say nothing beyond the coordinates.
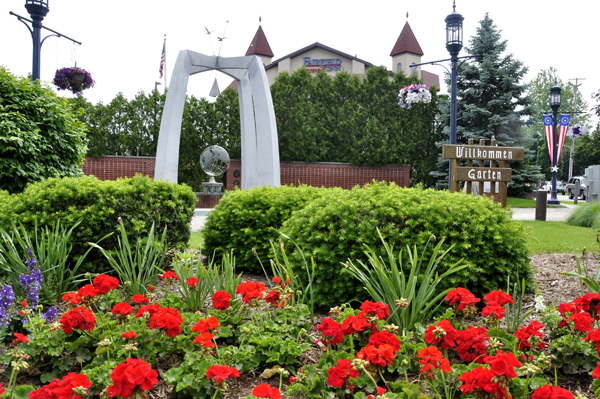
(594, 337)
(581, 321)
(139, 298)
(432, 359)
(339, 375)
(88, 291)
(498, 298)
(72, 297)
(462, 300)
(221, 373)
(221, 300)
(523, 334)
(152, 309)
(589, 303)
(129, 335)
(250, 290)
(266, 391)
(192, 282)
(274, 298)
(167, 319)
(128, 377)
(551, 392)
(375, 308)
(169, 276)
(20, 338)
(481, 381)
(62, 389)
(205, 339)
(566, 310)
(203, 325)
(122, 309)
(472, 344)
(353, 324)
(331, 330)
(503, 364)
(78, 318)
(381, 350)
(441, 335)
(104, 283)
(596, 372)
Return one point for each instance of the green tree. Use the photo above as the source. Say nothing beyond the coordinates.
(40, 136)
(539, 93)
(492, 102)
(587, 150)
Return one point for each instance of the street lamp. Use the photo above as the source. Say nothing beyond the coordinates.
(555, 105)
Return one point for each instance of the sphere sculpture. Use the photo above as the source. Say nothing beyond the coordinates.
(214, 161)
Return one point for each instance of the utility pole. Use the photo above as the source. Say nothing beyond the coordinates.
(573, 137)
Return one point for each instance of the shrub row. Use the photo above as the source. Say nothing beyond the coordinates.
(334, 230)
(251, 219)
(138, 201)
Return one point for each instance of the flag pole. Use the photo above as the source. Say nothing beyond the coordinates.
(165, 45)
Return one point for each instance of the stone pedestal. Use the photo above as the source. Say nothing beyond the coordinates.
(212, 187)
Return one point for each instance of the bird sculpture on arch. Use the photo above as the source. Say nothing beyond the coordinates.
(260, 148)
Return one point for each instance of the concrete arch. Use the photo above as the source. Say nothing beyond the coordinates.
(260, 148)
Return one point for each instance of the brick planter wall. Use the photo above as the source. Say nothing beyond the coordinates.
(111, 167)
(329, 174)
(207, 200)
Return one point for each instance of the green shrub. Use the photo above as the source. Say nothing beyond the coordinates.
(334, 230)
(250, 219)
(40, 136)
(139, 201)
(586, 215)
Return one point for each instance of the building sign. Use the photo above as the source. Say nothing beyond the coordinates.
(483, 174)
(483, 152)
(329, 64)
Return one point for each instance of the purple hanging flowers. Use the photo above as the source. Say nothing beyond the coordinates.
(411, 94)
(74, 79)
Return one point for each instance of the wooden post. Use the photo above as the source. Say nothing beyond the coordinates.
(470, 164)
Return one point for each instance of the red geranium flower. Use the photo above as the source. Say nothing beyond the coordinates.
(72, 297)
(250, 290)
(338, 375)
(331, 330)
(221, 300)
(273, 297)
(594, 337)
(481, 381)
(524, 333)
(139, 298)
(354, 324)
(472, 344)
(590, 302)
(61, 389)
(375, 308)
(122, 309)
(582, 321)
(129, 335)
(498, 298)
(462, 300)
(152, 309)
(78, 318)
(20, 338)
(169, 275)
(596, 373)
(385, 338)
(551, 392)
(277, 280)
(493, 309)
(432, 359)
(377, 355)
(2, 390)
(205, 339)
(266, 391)
(135, 375)
(167, 319)
(203, 325)
(88, 291)
(221, 373)
(192, 282)
(441, 335)
(105, 283)
(24, 303)
(503, 364)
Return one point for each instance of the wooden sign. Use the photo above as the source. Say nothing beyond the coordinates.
(479, 152)
(483, 174)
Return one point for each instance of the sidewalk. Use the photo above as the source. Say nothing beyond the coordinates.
(552, 214)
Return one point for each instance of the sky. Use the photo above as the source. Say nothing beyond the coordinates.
(122, 40)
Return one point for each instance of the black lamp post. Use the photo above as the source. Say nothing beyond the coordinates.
(37, 10)
(454, 43)
(554, 104)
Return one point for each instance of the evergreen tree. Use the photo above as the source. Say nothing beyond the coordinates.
(492, 103)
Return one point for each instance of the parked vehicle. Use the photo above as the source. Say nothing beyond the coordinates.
(561, 187)
(582, 187)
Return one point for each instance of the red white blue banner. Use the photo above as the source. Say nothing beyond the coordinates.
(562, 133)
(549, 126)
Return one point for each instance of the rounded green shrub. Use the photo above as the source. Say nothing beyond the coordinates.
(138, 201)
(246, 219)
(586, 215)
(333, 230)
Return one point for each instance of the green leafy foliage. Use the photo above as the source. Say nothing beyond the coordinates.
(586, 215)
(249, 219)
(40, 136)
(139, 201)
(333, 229)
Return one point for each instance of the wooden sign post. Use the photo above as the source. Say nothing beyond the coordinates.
(493, 166)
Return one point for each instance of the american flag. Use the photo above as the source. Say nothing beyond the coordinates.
(548, 124)
(562, 133)
(162, 58)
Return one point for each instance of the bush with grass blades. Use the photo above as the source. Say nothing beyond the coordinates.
(333, 230)
(250, 219)
(139, 201)
(586, 215)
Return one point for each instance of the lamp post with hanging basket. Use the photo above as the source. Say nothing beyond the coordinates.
(37, 10)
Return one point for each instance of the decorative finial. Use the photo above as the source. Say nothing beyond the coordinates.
(407, 15)
(454, 6)
(259, 19)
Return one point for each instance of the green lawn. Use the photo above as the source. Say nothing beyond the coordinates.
(527, 203)
(548, 237)
(196, 241)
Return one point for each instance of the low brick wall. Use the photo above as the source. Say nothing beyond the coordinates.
(111, 167)
(328, 174)
(207, 200)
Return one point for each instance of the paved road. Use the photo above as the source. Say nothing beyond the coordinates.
(552, 214)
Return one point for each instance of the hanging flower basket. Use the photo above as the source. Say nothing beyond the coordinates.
(412, 94)
(74, 79)
(578, 130)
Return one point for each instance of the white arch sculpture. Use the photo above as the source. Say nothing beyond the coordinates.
(260, 148)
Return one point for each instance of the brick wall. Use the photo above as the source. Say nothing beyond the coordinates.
(329, 174)
(207, 200)
(111, 167)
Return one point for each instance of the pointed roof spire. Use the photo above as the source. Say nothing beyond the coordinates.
(260, 45)
(406, 43)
